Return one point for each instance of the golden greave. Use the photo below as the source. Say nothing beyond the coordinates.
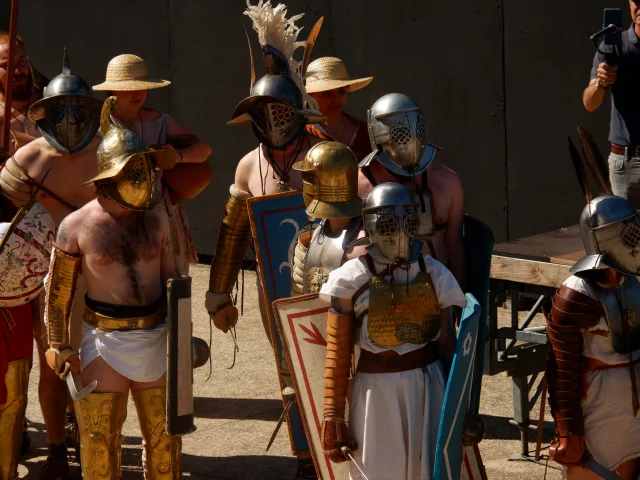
(162, 453)
(12, 417)
(100, 418)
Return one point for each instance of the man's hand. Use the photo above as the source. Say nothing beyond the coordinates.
(221, 310)
(569, 450)
(168, 157)
(607, 75)
(225, 318)
(63, 361)
(334, 435)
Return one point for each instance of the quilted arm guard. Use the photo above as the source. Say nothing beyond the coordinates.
(571, 311)
(335, 433)
(233, 241)
(60, 288)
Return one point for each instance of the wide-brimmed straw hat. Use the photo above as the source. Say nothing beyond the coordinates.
(329, 73)
(127, 73)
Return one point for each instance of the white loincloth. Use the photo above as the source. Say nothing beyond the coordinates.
(139, 355)
(394, 417)
(612, 433)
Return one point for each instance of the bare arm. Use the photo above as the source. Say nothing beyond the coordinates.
(447, 341)
(195, 153)
(243, 172)
(453, 232)
(593, 95)
(67, 236)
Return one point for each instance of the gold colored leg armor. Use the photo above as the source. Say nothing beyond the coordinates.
(162, 453)
(12, 417)
(100, 419)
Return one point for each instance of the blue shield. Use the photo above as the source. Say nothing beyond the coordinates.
(276, 222)
(457, 396)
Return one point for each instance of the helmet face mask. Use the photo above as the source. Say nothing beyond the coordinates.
(391, 222)
(276, 124)
(134, 188)
(398, 135)
(610, 228)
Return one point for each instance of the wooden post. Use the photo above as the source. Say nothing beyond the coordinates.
(13, 33)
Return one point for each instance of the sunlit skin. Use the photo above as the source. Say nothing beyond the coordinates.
(130, 109)
(105, 234)
(332, 103)
(607, 75)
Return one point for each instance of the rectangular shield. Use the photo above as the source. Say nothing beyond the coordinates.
(276, 222)
(457, 396)
(302, 323)
(179, 369)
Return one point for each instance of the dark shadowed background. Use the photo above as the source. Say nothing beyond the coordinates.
(500, 82)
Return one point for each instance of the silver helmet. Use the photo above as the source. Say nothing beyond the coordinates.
(610, 228)
(391, 223)
(398, 136)
(68, 115)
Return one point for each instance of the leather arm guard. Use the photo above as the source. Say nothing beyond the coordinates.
(16, 183)
(60, 288)
(335, 433)
(233, 241)
(571, 311)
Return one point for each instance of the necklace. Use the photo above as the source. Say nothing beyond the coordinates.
(282, 173)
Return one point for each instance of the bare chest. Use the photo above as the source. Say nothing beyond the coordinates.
(266, 180)
(107, 243)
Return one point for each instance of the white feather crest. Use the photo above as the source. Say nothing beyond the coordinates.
(278, 31)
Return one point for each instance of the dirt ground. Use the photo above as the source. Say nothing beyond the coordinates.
(237, 410)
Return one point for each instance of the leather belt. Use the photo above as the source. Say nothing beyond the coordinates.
(391, 361)
(110, 324)
(634, 150)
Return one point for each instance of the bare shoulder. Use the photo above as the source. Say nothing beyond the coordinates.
(33, 153)
(245, 168)
(73, 225)
(445, 178)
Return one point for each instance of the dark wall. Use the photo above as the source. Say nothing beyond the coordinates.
(500, 82)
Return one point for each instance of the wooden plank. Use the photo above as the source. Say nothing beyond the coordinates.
(528, 271)
(568, 259)
(543, 246)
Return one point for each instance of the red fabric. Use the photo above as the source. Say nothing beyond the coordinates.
(16, 340)
(361, 146)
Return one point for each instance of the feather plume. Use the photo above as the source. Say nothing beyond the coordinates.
(277, 31)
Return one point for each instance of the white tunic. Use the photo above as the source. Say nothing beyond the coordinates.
(612, 433)
(394, 417)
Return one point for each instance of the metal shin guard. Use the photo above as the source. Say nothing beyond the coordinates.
(162, 453)
(233, 241)
(100, 418)
(12, 417)
(337, 365)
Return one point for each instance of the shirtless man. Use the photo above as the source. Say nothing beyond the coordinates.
(66, 155)
(442, 200)
(24, 92)
(276, 111)
(121, 243)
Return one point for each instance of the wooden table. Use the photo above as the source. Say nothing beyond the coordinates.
(537, 266)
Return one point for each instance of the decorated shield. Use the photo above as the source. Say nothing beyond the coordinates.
(302, 323)
(449, 448)
(276, 222)
(25, 251)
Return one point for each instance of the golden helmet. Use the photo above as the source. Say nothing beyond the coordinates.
(126, 166)
(330, 181)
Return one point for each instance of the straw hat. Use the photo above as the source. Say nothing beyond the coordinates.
(127, 73)
(329, 73)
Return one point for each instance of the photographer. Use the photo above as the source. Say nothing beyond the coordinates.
(623, 80)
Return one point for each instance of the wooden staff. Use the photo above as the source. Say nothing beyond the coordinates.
(13, 33)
